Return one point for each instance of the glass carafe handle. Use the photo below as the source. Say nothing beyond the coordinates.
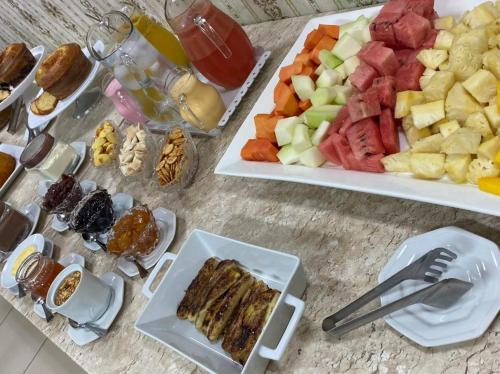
(213, 36)
(183, 104)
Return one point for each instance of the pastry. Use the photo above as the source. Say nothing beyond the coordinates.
(63, 71)
(16, 62)
(7, 166)
(44, 104)
(105, 143)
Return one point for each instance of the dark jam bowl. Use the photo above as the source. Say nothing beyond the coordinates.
(63, 196)
(93, 214)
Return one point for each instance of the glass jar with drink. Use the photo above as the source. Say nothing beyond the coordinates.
(215, 43)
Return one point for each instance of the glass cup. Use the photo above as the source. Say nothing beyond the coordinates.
(62, 197)
(36, 274)
(136, 64)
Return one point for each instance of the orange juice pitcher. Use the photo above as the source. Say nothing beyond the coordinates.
(215, 43)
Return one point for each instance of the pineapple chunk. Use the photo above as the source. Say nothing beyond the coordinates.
(427, 165)
(444, 23)
(445, 66)
(412, 133)
(480, 16)
(462, 141)
(426, 77)
(405, 100)
(459, 104)
(397, 162)
(476, 39)
(482, 85)
(426, 114)
(489, 148)
(491, 61)
(498, 94)
(480, 168)
(439, 85)
(447, 128)
(430, 144)
(493, 116)
(478, 122)
(432, 58)
(457, 166)
(496, 161)
(444, 40)
(465, 59)
(459, 28)
(492, 42)
(493, 28)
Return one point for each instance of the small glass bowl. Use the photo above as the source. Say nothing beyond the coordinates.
(113, 157)
(148, 156)
(188, 163)
(68, 203)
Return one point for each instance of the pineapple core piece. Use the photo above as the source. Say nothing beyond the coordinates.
(427, 165)
(426, 114)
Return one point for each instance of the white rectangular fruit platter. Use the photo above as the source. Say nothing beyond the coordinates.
(442, 192)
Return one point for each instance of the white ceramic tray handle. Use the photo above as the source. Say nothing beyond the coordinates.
(277, 353)
(146, 289)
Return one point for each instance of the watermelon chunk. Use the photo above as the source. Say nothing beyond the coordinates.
(389, 132)
(408, 77)
(424, 8)
(371, 164)
(342, 115)
(411, 30)
(379, 57)
(363, 77)
(407, 55)
(346, 125)
(430, 39)
(342, 148)
(386, 91)
(328, 150)
(363, 105)
(394, 8)
(364, 138)
(382, 30)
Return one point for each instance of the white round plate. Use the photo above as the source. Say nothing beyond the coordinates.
(32, 211)
(38, 53)
(69, 259)
(478, 262)
(121, 203)
(166, 222)
(84, 336)
(35, 121)
(8, 280)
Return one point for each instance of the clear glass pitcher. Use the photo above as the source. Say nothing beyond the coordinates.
(215, 43)
(136, 64)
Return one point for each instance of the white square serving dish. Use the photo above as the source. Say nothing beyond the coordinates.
(442, 192)
(280, 271)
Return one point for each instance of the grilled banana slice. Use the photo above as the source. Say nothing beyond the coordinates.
(197, 291)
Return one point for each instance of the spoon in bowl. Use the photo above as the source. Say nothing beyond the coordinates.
(94, 239)
(143, 273)
(39, 300)
(89, 326)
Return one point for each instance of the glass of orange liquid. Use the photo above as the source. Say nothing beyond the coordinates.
(37, 273)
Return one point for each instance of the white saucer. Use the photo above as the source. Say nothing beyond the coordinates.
(42, 245)
(69, 259)
(37, 53)
(81, 150)
(61, 226)
(166, 222)
(14, 151)
(84, 336)
(32, 211)
(478, 262)
(35, 121)
(121, 203)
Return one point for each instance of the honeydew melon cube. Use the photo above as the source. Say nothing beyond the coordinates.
(341, 70)
(320, 133)
(323, 96)
(288, 155)
(328, 78)
(329, 60)
(304, 86)
(351, 64)
(343, 94)
(426, 114)
(315, 115)
(284, 129)
(347, 46)
(321, 68)
(301, 140)
(312, 157)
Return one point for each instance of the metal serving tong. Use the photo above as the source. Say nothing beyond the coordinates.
(426, 268)
(441, 295)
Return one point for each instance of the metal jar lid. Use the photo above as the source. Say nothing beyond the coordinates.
(36, 150)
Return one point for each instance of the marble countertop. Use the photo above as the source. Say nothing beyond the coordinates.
(343, 239)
